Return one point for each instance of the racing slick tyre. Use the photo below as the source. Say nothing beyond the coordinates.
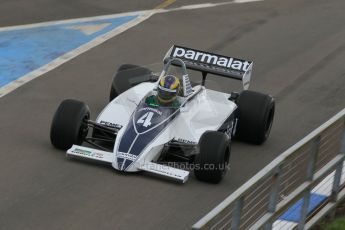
(68, 126)
(255, 117)
(127, 76)
(213, 159)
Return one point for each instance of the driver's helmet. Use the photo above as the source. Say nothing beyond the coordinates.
(168, 88)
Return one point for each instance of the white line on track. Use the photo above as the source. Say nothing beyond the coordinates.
(143, 15)
(143, 12)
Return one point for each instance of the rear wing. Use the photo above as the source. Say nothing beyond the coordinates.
(212, 63)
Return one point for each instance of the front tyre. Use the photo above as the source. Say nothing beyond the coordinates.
(213, 159)
(69, 124)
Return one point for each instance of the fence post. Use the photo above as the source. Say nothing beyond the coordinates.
(236, 216)
(273, 200)
(339, 169)
(310, 174)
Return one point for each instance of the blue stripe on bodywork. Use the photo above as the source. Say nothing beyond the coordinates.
(134, 142)
(127, 139)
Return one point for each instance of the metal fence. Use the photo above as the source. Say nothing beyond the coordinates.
(287, 179)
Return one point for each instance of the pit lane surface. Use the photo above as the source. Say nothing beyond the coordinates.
(298, 51)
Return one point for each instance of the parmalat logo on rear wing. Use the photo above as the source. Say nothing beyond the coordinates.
(210, 58)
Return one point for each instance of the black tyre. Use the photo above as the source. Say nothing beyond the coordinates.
(214, 157)
(127, 76)
(68, 126)
(256, 113)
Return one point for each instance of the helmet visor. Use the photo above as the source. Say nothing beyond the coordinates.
(166, 95)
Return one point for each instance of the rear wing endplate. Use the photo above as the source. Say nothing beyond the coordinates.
(213, 63)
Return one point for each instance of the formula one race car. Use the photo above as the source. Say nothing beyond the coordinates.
(134, 132)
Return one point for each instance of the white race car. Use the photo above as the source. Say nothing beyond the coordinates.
(134, 135)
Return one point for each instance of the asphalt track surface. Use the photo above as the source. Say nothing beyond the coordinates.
(298, 49)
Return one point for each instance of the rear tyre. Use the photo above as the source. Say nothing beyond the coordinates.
(69, 124)
(256, 113)
(213, 159)
(127, 76)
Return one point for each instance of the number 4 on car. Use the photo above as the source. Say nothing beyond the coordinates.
(153, 120)
(145, 120)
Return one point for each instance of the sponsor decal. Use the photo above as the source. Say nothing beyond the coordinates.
(186, 141)
(127, 156)
(151, 109)
(168, 173)
(88, 153)
(210, 59)
(81, 151)
(109, 124)
(97, 155)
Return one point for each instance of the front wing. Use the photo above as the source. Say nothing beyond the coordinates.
(108, 157)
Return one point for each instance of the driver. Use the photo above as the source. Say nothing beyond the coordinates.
(167, 91)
